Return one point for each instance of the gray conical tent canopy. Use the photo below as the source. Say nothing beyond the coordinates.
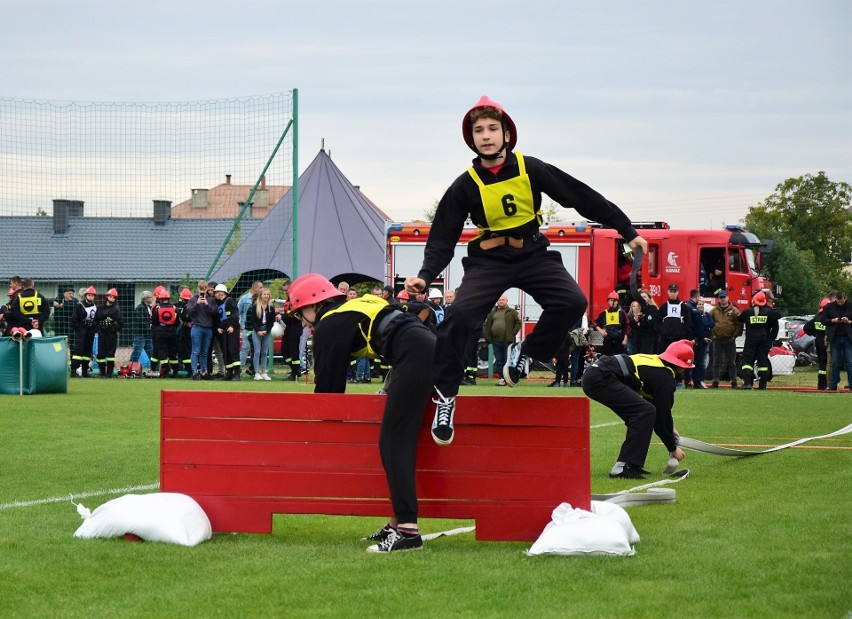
(339, 231)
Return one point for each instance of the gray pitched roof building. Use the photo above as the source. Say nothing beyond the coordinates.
(101, 249)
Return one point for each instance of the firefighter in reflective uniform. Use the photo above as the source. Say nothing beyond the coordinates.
(228, 331)
(761, 328)
(369, 327)
(83, 323)
(612, 325)
(108, 322)
(815, 328)
(29, 308)
(640, 389)
(164, 325)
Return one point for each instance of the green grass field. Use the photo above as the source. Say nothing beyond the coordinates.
(767, 536)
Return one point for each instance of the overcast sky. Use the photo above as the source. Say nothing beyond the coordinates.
(683, 111)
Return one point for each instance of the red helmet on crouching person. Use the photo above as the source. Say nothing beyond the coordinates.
(309, 289)
(508, 125)
(680, 353)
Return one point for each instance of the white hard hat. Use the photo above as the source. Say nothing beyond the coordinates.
(220, 288)
(34, 333)
(434, 293)
(277, 330)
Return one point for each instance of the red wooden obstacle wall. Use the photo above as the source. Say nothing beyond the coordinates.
(245, 456)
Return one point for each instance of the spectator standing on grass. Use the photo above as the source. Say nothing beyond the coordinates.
(761, 328)
(702, 325)
(817, 329)
(244, 304)
(837, 317)
(612, 326)
(646, 324)
(500, 329)
(142, 339)
(501, 193)
(202, 313)
(108, 322)
(228, 331)
(261, 318)
(369, 326)
(83, 323)
(63, 307)
(726, 329)
(30, 310)
(675, 323)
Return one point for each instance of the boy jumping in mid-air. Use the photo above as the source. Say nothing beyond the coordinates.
(501, 193)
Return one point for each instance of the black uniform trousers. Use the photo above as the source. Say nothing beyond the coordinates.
(755, 359)
(487, 275)
(638, 414)
(407, 396)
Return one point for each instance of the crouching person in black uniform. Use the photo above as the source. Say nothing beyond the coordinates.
(369, 327)
(640, 389)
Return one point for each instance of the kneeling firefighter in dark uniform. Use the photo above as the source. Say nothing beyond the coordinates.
(369, 327)
(640, 389)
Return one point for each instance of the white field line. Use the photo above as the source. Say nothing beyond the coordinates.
(606, 425)
(84, 495)
(81, 495)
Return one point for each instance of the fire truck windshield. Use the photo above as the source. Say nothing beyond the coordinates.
(752, 262)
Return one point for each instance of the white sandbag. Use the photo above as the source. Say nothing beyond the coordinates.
(580, 532)
(620, 515)
(159, 517)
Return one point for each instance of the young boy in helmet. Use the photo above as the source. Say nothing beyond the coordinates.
(83, 323)
(501, 194)
(164, 325)
(369, 326)
(108, 322)
(640, 389)
(612, 325)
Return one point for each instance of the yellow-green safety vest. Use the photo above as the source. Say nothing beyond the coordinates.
(370, 305)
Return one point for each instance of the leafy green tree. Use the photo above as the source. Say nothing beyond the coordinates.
(813, 214)
(796, 271)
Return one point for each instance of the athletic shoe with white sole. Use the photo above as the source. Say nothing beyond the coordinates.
(442, 425)
(380, 535)
(517, 365)
(396, 542)
(628, 471)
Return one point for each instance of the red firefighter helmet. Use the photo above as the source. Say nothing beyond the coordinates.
(91, 290)
(311, 288)
(186, 294)
(612, 296)
(161, 292)
(679, 353)
(823, 303)
(112, 292)
(759, 298)
(508, 124)
(402, 295)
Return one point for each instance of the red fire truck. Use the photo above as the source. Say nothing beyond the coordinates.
(596, 258)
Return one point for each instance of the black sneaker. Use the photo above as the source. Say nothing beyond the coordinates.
(396, 541)
(442, 425)
(380, 535)
(629, 471)
(517, 365)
